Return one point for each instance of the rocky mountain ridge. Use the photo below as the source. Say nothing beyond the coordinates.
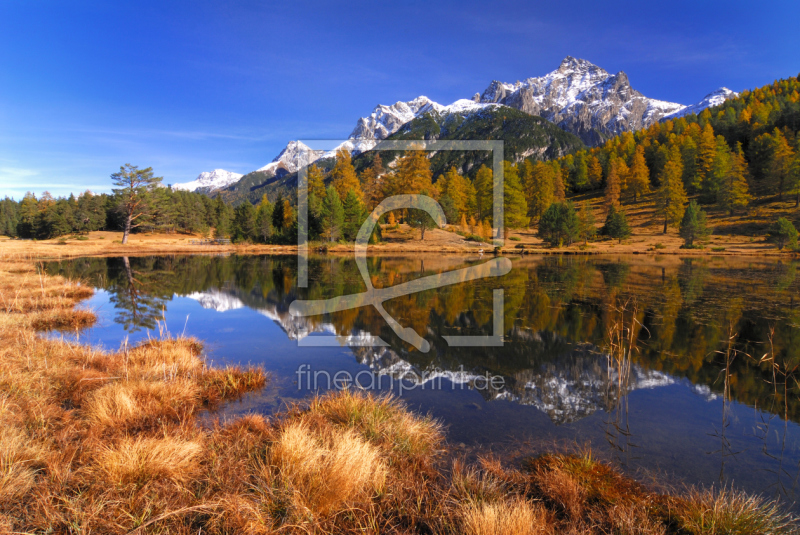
(579, 97)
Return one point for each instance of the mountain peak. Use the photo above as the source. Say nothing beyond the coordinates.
(573, 63)
(210, 181)
(582, 98)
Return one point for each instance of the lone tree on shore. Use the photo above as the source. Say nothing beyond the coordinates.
(616, 225)
(559, 225)
(135, 189)
(783, 233)
(693, 224)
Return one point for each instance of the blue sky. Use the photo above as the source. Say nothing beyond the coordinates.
(187, 87)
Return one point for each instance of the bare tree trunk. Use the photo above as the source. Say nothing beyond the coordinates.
(665, 224)
(127, 229)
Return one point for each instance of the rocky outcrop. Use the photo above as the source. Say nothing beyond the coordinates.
(584, 99)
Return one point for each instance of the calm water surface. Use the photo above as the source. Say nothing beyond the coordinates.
(691, 408)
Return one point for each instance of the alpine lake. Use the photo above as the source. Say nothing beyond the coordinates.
(678, 370)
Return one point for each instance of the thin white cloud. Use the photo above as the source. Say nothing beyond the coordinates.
(15, 172)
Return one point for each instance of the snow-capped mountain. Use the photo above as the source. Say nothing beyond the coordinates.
(210, 181)
(582, 98)
(714, 98)
(380, 124)
(566, 390)
(295, 155)
(386, 120)
(216, 300)
(578, 96)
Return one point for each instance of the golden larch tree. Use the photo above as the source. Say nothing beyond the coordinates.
(343, 175)
(671, 196)
(638, 182)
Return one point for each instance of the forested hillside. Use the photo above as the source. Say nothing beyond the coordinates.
(524, 136)
(745, 149)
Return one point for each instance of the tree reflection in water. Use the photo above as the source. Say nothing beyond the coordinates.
(581, 333)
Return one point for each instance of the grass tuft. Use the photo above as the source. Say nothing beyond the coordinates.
(508, 517)
(326, 471)
(139, 461)
(728, 512)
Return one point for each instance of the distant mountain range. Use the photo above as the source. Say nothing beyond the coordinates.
(579, 97)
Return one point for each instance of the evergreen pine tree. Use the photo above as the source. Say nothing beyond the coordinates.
(616, 225)
(28, 214)
(449, 208)
(264, 227)
(134, 187)
(244, 223)
(332, 215)
(690, 177)
(693, 224)
(354, 216)
(783, 233)
(559, 225)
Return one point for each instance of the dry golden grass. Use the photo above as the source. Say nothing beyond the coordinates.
(383, 421)
(138, 403)
(507, 517)
(110, 442)
(727, 512)
(327, 472)
(18, 462)
(141, 460)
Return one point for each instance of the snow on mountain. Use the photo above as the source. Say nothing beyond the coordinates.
(714, 98)
(210, 181)
(216, 300)
(386, 120)
(566, 392)
(380, 124)
(295, 155)
(582, 98)
(578, 96)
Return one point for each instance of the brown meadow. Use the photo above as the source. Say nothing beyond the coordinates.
(110, 442)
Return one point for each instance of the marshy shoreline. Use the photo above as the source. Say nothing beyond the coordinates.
(110, 442)
(402, 242)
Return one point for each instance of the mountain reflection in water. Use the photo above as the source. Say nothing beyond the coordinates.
(697, 402)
